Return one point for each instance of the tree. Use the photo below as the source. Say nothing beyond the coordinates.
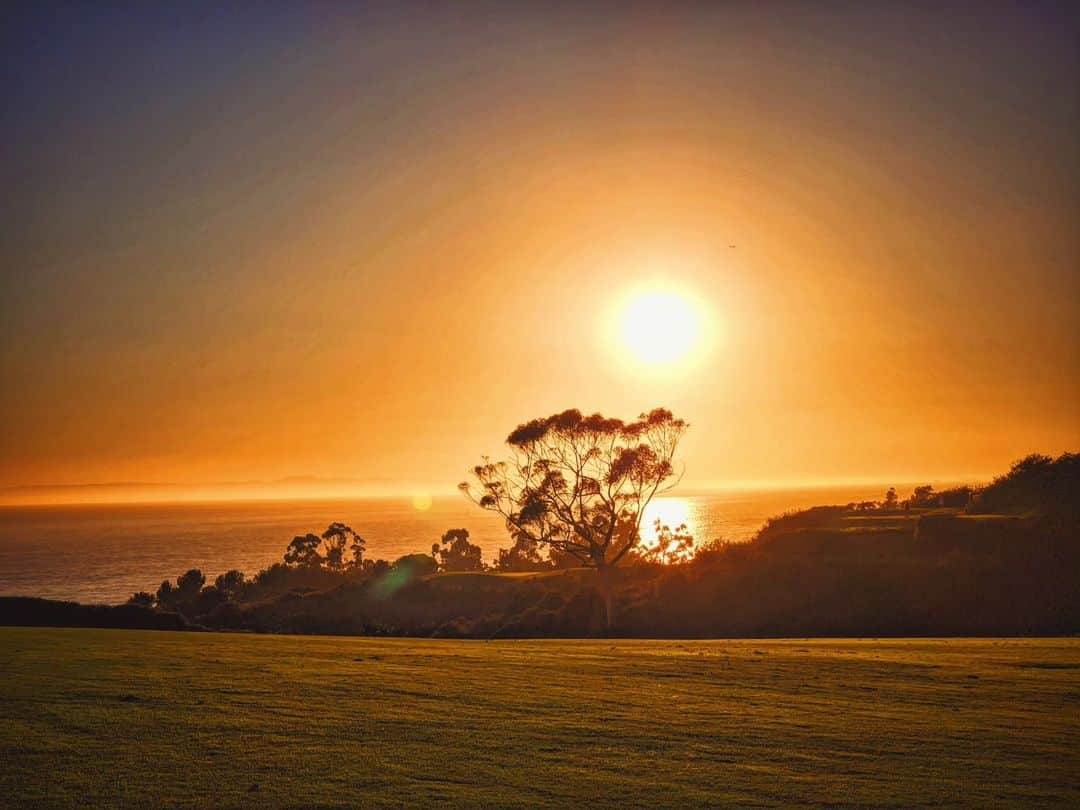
(142, 599)
(1038, 486)
(166, 594)
(457, 553)
(891, 499)
(230, 582)
(187, 587)
(924, 496)
(303, 551)
(955, 498)
(189, 584)
(327, 550)
(580, 484)
(337, 538)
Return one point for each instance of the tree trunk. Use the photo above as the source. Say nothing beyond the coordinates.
(607, 593)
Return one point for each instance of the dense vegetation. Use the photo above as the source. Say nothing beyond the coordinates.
(1004, 563)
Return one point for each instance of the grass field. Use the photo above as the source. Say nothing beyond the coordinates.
(95, 717)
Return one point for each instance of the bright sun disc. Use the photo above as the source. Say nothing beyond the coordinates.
(660, 327)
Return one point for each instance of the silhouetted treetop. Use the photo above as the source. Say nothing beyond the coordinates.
(190, 582)
(328, 549)
(456, 552)
(1036, 485)
(571, 422)
(303, 550)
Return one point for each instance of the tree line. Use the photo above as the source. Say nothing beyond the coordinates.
(572, 493)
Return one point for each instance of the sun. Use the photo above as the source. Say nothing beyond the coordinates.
(661, 326)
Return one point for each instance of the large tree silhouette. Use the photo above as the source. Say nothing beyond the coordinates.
(580, 484)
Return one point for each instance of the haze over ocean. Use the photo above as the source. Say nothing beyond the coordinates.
(106, 552)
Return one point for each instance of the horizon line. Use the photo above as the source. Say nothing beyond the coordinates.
(350, 489)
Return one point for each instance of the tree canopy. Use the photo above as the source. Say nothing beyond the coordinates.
(328, 549)
(456, 552)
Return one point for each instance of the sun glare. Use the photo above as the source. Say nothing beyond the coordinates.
(671, 512)
(661, 326)
(676, 514)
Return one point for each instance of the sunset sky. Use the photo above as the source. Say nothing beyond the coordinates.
(257, 243)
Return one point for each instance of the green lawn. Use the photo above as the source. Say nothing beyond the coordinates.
(95, 717)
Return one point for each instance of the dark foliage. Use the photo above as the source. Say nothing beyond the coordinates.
(826, 571)
(230, 583)
(1039, 486)
(336, 549)
(417, 565)
(523, 556)
(30, 612)
(456, 552)
(189, 583)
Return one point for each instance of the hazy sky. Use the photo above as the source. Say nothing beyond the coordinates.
(265, 241)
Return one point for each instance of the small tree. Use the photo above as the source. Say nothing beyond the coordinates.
(891, 499)
(924, 496)
(337, 539)
(580, 484)
(457, 553)
(189, 584)
(166, 594)
(303, 551)
(327, 550)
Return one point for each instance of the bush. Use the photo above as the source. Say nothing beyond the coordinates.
(417, 565)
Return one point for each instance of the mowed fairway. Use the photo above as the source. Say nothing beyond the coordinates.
(94, 717)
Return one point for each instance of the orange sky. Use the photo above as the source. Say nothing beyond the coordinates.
(368, 247)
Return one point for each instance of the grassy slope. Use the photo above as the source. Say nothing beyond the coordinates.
(140, 717)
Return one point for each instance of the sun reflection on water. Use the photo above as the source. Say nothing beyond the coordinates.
(672, 512)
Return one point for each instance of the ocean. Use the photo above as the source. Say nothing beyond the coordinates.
(104, 553)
